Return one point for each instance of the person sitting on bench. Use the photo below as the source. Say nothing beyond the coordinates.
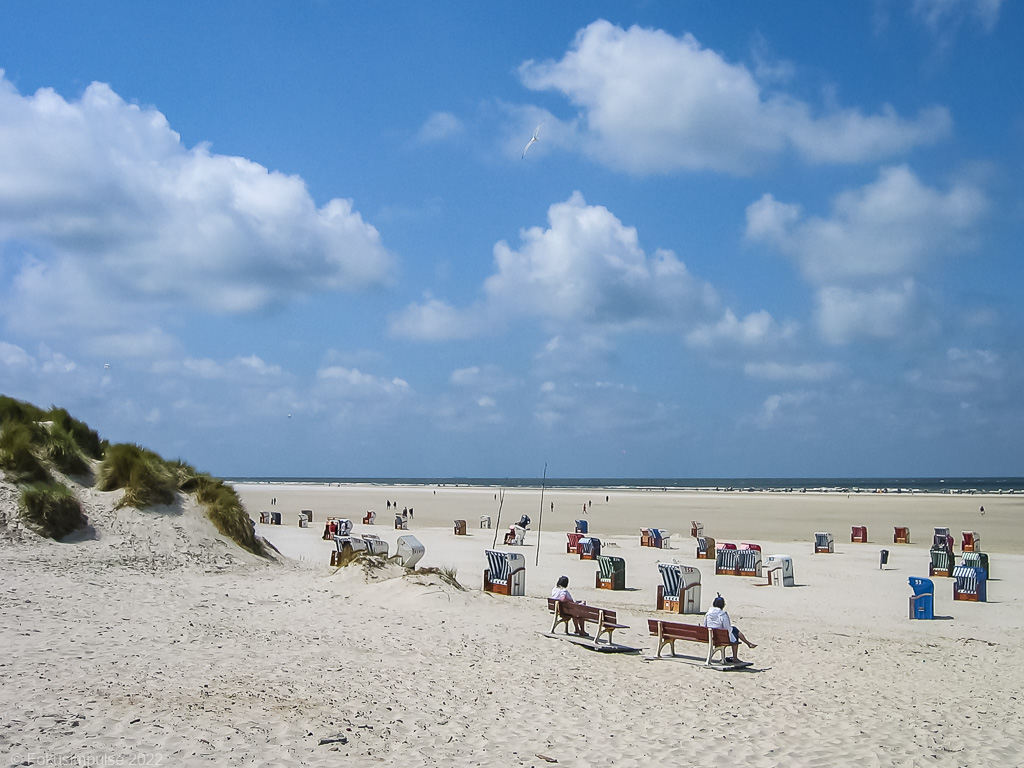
(718, 618)
(561, 593)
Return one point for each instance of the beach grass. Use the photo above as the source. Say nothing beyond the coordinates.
(20, 449)
(146, 478)
(52, 509)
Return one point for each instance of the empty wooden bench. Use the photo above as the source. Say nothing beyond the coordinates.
(565, 611)
(668, 632)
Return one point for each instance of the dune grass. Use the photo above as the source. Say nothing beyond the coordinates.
(52, 509)
(34, 442)
(20, 452)
(146, 478)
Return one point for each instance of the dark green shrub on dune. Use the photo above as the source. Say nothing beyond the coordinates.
(52, 509)
(146, 478)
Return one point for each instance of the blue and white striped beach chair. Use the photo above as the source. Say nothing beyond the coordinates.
(505, 574)
(969, 584)
(823, 542)
(589, 548)
(727, 561)
(705, 548)
(748, 562)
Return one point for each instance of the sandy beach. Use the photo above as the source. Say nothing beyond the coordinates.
(153, 640)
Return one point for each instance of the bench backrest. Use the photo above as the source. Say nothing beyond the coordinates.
(580, 611)
(675, 631)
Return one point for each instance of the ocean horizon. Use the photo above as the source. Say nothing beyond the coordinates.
(969, 485)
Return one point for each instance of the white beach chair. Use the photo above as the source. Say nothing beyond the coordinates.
(780, 570)
(408, 551)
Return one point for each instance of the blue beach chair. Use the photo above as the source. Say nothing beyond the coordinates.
(922, 602)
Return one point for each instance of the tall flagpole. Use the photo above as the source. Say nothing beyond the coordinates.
(540, 520)
(497, 524)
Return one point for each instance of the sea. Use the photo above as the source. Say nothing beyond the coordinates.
(956, 485)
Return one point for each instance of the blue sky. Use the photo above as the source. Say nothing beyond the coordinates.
(301, 238)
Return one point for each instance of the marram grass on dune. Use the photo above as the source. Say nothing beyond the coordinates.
(37, 446)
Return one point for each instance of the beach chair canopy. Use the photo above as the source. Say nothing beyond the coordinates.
(609, 566)
(677, 578)
(503, 564)
(921, 586)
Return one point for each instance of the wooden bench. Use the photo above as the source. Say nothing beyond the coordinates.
(668, 632)
(565, 611)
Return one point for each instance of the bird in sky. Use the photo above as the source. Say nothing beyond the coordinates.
(530, 142)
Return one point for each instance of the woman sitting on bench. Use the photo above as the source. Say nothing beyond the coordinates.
(718, 618)
(561, 593)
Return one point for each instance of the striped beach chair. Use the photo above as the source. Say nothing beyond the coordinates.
(505, 574)
(705, 548)
(823, 542)
(589, 548)
(942, 537)
(572, 546)
(922, 602)
(969, 584)
(652, 537)
(942, 561)
(611, 573)
(696, 528)
(976, 560)
(727, 560)
(679, 590)
(748, 561)
(375, 545)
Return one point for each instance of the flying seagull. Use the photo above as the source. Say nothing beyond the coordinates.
(530, 142)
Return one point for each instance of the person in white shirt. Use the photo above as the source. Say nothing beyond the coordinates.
(561, 593)
(718, 618)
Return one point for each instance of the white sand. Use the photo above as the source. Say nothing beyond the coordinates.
(156, 639)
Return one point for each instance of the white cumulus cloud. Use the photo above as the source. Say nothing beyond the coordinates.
(115, 212)
(893, 226)
(651, 102)
(585, 269)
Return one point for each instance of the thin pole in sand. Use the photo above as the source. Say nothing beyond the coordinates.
(497, 524)
(540, 517)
